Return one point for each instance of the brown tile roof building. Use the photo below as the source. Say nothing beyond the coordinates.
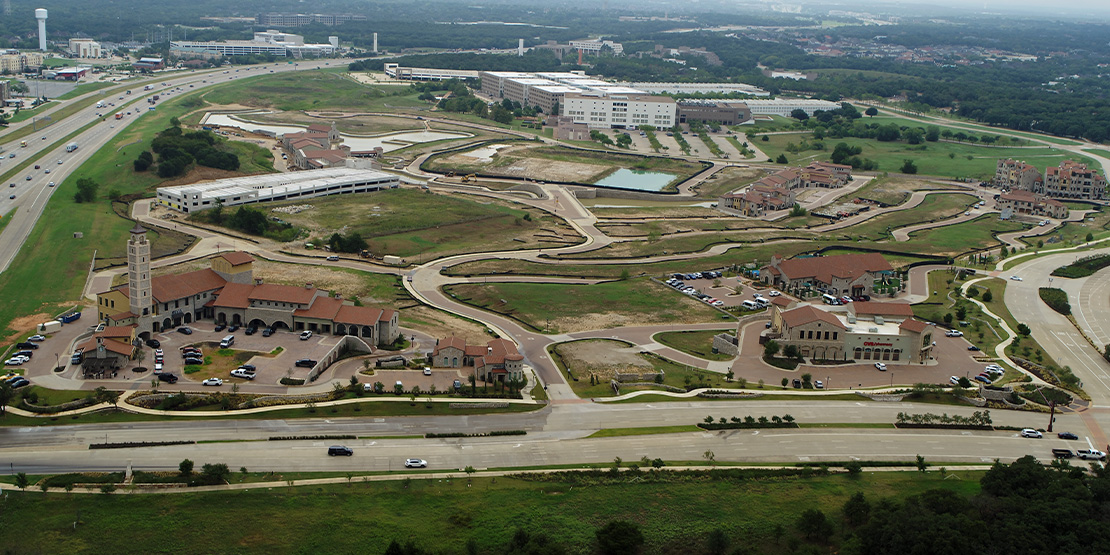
(806, 314)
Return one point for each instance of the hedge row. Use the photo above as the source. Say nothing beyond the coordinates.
(487, 434)
(303, 438)
(131, 444)
(1056, 299)
(746, 425)
(1083, 267)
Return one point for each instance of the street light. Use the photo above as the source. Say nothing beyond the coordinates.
(892, 379)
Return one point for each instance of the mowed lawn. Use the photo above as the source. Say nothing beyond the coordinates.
(413, 222)
(934, 159)
(697, 343)
(52, 265)
(443, 515)
(560, 308)
(312, 90)
(934, 207)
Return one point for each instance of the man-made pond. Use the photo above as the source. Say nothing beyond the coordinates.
(388, 142)
(637, 179)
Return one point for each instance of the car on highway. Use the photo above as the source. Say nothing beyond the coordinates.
(305, 363)
(416, 463)
(212, 381)
(11, 185)
(28, 178)
(880, 367)
(340, 450)
(1031, 433)
(12, 197)
(1015, 278)
(38, 167)
(47, 170)
(51, 184)
(1091, 454)
(1067, 435)
(59, 161)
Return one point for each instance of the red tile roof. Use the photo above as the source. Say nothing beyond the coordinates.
(118, 347)
(116, 331)
(362, 315)
(916, 326)
(234, 295)
(806, 314)
(235, 258)
(449, 342)
(825, 268)
(323, 308)
(282, 293)
(178, 286)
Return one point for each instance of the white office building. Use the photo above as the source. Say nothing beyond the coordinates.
(397, 71)
(274, 43)
(273, 187)
(599, 110)
(783, 106)
(696, 88)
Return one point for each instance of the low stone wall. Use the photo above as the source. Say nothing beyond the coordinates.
(51, 409)
(998, 395)
(156, 398)
(616, 386)
(726, 344)
(273, 400)
(481, 405)
(645, 377)
(530, 188)
(730, 395)
(884, 397)
(348, 343)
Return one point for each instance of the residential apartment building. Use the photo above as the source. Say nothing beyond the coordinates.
(1073, 180)
(758, 199)
(1013, 174)
(1025, 202)
(84, 48)
(776, 191)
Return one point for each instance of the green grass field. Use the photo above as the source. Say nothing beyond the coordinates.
(934, 207)
(312, 90)
(939, 158)
(412, 223)
(697, 343)
(579, 370)
(443, 515)
(560, 308)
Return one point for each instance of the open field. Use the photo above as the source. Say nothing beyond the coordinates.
(697, 343)
(443, 515)
(556, 163)
(559, 308)
(415, 224)
(313, 91)
(590, 366)
(895, 190)
(939, 158)
(959, 238)
(935, 207)
(727, 180)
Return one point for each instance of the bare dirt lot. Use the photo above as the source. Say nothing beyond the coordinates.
(510, 162)
(896, 190)
(601, 357)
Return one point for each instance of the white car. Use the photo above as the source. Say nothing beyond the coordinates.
(954, 333)
(14, 361)
(880, 366)
(427, 371)
(954, 380)
(157, 367)
(306, 334)
(774, 293)
(1030, 432)
(158, 352)
(1093, 454)
(416, 463)
(37, 338)
(1015, 278)
(51, 184)
(818, 384)
(212, 381)
(242, 373)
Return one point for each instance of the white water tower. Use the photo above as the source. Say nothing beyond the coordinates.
(40, 14)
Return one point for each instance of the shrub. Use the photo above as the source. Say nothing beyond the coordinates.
(1056, 299)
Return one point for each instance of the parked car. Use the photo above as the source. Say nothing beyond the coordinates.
(233, 327)
(1062, 453)
(954, 333)
(332, 258)
(212, 381)
(1031, 433)
(1067, 435)
(982, 379)
(185, 330)
(457, 384)
(37, 338)
(267, 332)
(972, 348)
(248, 367)
(1091, 454)
(306, 334)
(305, 363)
(818, 384)
(14, 361)
(954, 380)
(797, 383)
(1015, 278)
(427, 371)
(416, 463)
(153, 343)
(26, 345)
(219, 327)
(774, 293)
(242, 373)
(193, 361)
(250, 330)
(19, 382)
(880, 366)
(168, 378)
(158, 367)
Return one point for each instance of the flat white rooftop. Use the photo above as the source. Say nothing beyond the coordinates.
(276, 186)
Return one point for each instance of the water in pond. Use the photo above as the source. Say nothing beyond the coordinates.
(637, 179)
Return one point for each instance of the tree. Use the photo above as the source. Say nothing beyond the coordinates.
(716, 543)
(21, 481)
(6, 394)
(619, 537)
(814, 525)
(807, 378)
(770, 348)
(857, 509)
(1023, 329)
(921, 464)
(1090, 237)
(961, 313)
(104, 395)
(781, 159)
(791, 351)
(854, 468)
(799, 114)
(932, 134)
(784, 382)
(908, 167)
(709, 456)
(215, 473)
(86, 190)
(988, 296)
(871, 112)
(185, 468)
(948, 318)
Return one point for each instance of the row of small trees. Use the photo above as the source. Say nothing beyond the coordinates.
(977, 418)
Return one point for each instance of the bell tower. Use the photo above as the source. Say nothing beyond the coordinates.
(138, 273)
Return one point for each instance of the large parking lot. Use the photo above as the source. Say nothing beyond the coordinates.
(725, 291)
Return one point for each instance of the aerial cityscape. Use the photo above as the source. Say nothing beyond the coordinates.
(575, 278)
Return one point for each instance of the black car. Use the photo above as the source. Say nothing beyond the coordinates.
(1067, 435)
(251, 330)
(249, 367)
(153, 343)
(219, 327)
(193, 361)
(267, 332)
(797, 383)
(185, 330)
(168, 378)
(972, 348)
(233, 327)
(305, 363)
(27, 345)
(19, 382)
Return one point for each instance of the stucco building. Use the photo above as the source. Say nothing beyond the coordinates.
(497, 360)
(846, 274)
(871, 331)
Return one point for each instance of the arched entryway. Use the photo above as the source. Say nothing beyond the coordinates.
(256, 323)
(279, 325)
